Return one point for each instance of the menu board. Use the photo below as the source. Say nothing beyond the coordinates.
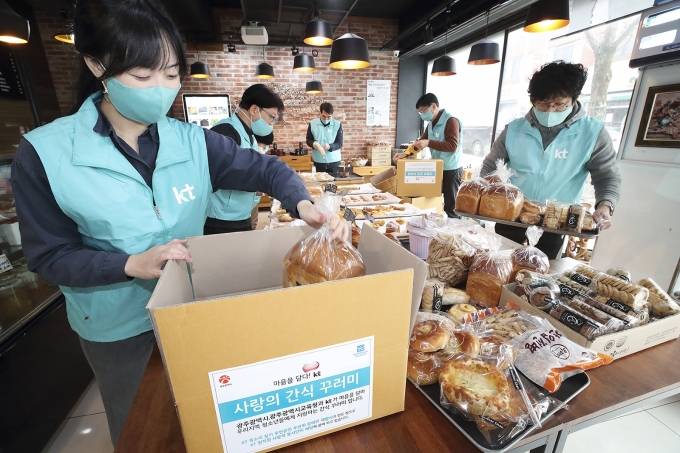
(378, 102)
(206, 109)
(10, 81)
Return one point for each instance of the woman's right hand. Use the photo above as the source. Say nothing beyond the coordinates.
(148, 265)
(398, 156)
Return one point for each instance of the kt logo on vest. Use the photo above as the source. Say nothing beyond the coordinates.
(181, 195)
(561, 154)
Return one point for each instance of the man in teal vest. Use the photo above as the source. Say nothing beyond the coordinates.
(442, 136)
(554, 148)
(232, 210)
(324, 136)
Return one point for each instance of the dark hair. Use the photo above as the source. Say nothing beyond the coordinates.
(427, 100)
(557, 79)
(265, 140)
(326, 107)
(262, 97)
(123, 34)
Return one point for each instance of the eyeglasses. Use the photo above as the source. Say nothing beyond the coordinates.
(557, 106)
(273, 118)
(423, 110)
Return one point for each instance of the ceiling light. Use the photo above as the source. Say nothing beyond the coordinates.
(547, 15)
(14, 29)
(429, 36)
(199, 70)
(444, 66)
(64, 37)
(313, 87)
(484, 52)
(264, 71)
(349, 52)
(304, 63)
(318, 32)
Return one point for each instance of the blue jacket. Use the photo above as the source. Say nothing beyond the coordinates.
(436, 132)
(325, 134)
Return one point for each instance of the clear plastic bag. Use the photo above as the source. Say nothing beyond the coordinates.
(502, 200)
(433, 293)
(469, 195)
(488, 273)
(316, 258)
(529, 257)
(613, 287)
(662, 304)
(555, 214)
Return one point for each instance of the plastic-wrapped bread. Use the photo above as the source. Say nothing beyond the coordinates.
(662, 304)
(501, 200)
(488, 273)
(528, 256)
(615, 288)
(469, 194)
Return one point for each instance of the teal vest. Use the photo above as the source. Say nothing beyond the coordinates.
(325, 134)
(558, 172)
(436, 132)
(234, 204)
(95, 185)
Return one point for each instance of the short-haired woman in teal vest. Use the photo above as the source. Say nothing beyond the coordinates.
(107, 195)
(554, 147)
(325, 137)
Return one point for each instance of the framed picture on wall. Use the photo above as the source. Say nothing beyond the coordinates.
(660, 122)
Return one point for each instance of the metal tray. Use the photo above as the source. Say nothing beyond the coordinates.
(568, 390)
(588, 235)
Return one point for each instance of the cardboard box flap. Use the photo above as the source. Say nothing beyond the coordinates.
(219, 256)
(173, 288)
(380, 256)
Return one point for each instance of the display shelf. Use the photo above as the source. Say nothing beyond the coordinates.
(589, 235)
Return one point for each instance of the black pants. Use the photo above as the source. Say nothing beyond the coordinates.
(550, 243)
(217, 226)
(450, 185)
(327, 167)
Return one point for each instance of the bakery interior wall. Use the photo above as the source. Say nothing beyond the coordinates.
(232, 73)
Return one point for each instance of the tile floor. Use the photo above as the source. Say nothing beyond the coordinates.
(654, 428)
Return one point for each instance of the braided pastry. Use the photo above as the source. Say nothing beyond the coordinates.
(662, 304)
(615, 288)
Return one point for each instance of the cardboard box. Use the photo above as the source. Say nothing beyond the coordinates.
(379, 149)
(618, 344)
(436, 203)
(228, 319)
(419, 178)
(386, 181)
(380, 162)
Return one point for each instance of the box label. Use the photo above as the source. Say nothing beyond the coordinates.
(5, 265)
(281, 400)
(420, 172)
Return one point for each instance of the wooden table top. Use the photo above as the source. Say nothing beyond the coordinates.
(152, 426)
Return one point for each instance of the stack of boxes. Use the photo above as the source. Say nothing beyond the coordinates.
(379, 155)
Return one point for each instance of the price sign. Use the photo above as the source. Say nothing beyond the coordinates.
(330, 188)
(350, 215)
(5, 265)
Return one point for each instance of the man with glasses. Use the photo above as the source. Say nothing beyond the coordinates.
(324, 136)
(231, 210)
(554, 148)
(442, 136)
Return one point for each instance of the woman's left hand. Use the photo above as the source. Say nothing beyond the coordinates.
(311, 215)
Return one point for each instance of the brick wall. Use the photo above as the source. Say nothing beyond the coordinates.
(233, 72)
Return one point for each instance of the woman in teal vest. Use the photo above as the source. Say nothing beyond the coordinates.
(324, 136)
(232, 210)
(107, 195)
(554, 147)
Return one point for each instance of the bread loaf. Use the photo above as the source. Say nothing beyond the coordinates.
(488, 273)
(318, 261)
(469, 195)
(529, 258)
(501, 201)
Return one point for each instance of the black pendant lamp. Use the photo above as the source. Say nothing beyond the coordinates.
(64, 37)
(485, 51)
(14, 29)
(264, 70)
(444, 65)
(304, 62)
(313, 87)
(547, 15)
(349, 52)
(199, 70)
(318, 32)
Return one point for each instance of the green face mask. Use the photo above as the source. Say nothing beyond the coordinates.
(550, 119)
(427, 116)
(144, 105)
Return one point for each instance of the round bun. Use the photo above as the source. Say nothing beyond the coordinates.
(318, 261)
(534, 207)
(460, 310)
(422, 368)
(497, 347)
(461, 341)
(429, 336)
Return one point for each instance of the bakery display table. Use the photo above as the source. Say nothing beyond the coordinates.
(369, 171)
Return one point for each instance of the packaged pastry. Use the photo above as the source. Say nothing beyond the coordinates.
(315, 258)
(488, 273)
(530, 218)
(429, 336)
(501, 200)
(575, 218)
(578, 322)
(589, 223)
(611, 323)
(623, 274)
(459, 311)
(507, 323)
(422, 368)
(433, 291)
(469, 195)
(533, 207)
(629, 321)
(615, 288)
(462, 341)
(455, 296)
(529, 257)
(641, 314)
(662, 304)
(547, 357)
(391, 227)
